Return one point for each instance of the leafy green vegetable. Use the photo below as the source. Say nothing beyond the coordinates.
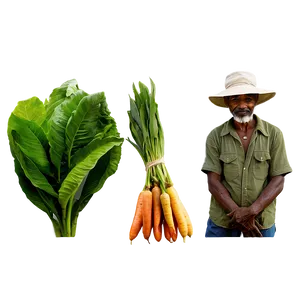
(105, 166)
(64, 150)
(57, 127)
(29, 189)
(24, 110)
(31, 171)
(83, 123)
(31, 139)
(59, 95)
(86, 162)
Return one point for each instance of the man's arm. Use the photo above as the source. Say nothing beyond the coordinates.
(220, 193)
(279, 167)
(271, 191)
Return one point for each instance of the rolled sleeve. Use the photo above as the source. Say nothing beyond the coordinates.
(279, 164)
(212, 161)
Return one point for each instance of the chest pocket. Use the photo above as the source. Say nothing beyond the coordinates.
(261, 164)
(230, 166)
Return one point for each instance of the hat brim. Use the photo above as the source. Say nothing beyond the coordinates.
(263, 95)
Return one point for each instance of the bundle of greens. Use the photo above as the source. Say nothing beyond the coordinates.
(63, 150)
(158, 204)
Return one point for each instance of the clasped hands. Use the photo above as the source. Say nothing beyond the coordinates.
(243, 218)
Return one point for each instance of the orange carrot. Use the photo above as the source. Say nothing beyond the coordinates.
(137, 222)
(167, 231)
(157, 213)
(133, 212)
(147, 214)
(166, 206)
(178, 212)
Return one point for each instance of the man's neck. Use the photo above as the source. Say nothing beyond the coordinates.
(244, 126)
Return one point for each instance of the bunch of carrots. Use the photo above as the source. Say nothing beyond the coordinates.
(158, 206)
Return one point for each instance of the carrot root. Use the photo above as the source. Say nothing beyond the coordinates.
(157, 213)
(147, 214)
(133, 212)
(167, 232)
(137, 222)
(178, 211)
(166, 206)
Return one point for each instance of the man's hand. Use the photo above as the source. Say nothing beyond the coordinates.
(243, 218)
(249, 234)
(241, 215)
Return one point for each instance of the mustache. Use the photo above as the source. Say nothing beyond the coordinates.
(244, 110)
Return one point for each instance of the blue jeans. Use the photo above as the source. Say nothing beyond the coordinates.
(213, 230)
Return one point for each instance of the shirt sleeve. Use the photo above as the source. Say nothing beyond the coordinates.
(212, 161)
(279, 164)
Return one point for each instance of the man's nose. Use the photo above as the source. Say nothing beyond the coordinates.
(243, 105)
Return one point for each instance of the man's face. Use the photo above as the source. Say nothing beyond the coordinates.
(242, 106)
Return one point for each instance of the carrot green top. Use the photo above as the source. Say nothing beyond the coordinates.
(245, 176)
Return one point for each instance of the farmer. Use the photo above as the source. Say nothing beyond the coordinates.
(245, 163)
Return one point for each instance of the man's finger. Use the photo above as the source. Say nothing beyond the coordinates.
(257, 232)
(247, 226)
(258, 225)
(232, 221)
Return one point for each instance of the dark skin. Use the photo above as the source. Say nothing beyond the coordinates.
(243, 218)
(242, 106)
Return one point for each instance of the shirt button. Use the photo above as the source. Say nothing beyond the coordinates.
(245, 189)
(244, 168)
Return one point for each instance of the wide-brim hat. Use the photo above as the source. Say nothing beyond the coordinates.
(240, 83)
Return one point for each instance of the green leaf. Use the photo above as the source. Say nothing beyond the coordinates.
(51, 203)
(153, 109)
(84, 160)
(106, 168)
(58, 94)
(135, 112)
(29, 189)
(57, 127)
(76, 214)
(108, 130)
(31, 140)
(32, 172)
(31, 109)
(83, 123)
(14, 122)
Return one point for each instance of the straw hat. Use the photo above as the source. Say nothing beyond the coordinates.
(239, 83)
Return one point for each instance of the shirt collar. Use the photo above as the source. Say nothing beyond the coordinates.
(260, 126)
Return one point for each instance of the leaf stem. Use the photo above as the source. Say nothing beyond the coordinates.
(64, 212)
(69, 215)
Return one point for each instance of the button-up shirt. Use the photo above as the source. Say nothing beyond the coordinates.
(245, 175)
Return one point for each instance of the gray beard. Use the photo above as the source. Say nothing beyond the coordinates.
(245, 119)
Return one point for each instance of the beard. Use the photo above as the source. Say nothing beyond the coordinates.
(242, 119)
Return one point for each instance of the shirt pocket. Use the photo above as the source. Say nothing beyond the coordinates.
(261, 164)
(230, 166)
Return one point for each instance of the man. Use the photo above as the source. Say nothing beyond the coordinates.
(245, 163)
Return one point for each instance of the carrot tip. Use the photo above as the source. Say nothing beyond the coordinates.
(148, 241)
(184, 239)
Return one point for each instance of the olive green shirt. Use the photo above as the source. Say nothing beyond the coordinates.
(245, 175)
